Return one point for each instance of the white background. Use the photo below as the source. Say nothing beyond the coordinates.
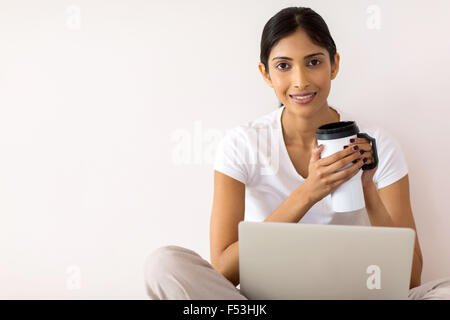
(110, 113)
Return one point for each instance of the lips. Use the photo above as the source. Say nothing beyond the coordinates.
(302, 94)
(303, 99)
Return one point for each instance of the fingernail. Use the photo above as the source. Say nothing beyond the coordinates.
(355, 161)
(365, 160)
(345, 147)
(355, 148)
(352, 140)
(361, 151)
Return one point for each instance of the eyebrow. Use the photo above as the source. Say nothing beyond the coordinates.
(306, 57)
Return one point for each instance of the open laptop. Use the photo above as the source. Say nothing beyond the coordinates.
(298, 261)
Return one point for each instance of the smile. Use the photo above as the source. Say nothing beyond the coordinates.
(303, 100)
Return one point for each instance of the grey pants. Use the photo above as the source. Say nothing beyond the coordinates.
(177, 273)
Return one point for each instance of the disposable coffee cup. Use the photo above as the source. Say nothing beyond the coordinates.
(349, 196)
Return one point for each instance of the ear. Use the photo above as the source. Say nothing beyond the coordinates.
(335, 66)
(265, 75)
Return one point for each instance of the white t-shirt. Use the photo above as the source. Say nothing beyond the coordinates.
(255, 154)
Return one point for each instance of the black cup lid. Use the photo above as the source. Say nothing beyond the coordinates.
(337, 130)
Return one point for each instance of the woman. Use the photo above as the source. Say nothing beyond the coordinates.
(298, 60)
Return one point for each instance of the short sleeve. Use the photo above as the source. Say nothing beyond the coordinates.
(230, 156)
(392, 165)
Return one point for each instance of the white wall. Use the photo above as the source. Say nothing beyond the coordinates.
(99, 99)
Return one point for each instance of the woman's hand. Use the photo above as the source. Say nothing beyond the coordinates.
(323, 176)
(365, 145)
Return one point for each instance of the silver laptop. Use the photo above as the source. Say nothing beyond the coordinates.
(280, 260)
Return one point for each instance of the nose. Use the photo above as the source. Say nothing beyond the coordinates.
(300, 78)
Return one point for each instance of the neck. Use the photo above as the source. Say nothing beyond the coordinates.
(299, 125)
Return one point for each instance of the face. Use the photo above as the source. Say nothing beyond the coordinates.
(304, 68)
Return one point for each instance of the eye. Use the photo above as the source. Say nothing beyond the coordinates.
(280, 65)
(319, 62)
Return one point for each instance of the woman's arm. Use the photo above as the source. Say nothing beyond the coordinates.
(391, 207)
(228, 211)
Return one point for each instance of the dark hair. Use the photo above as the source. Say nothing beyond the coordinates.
(286, 22)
